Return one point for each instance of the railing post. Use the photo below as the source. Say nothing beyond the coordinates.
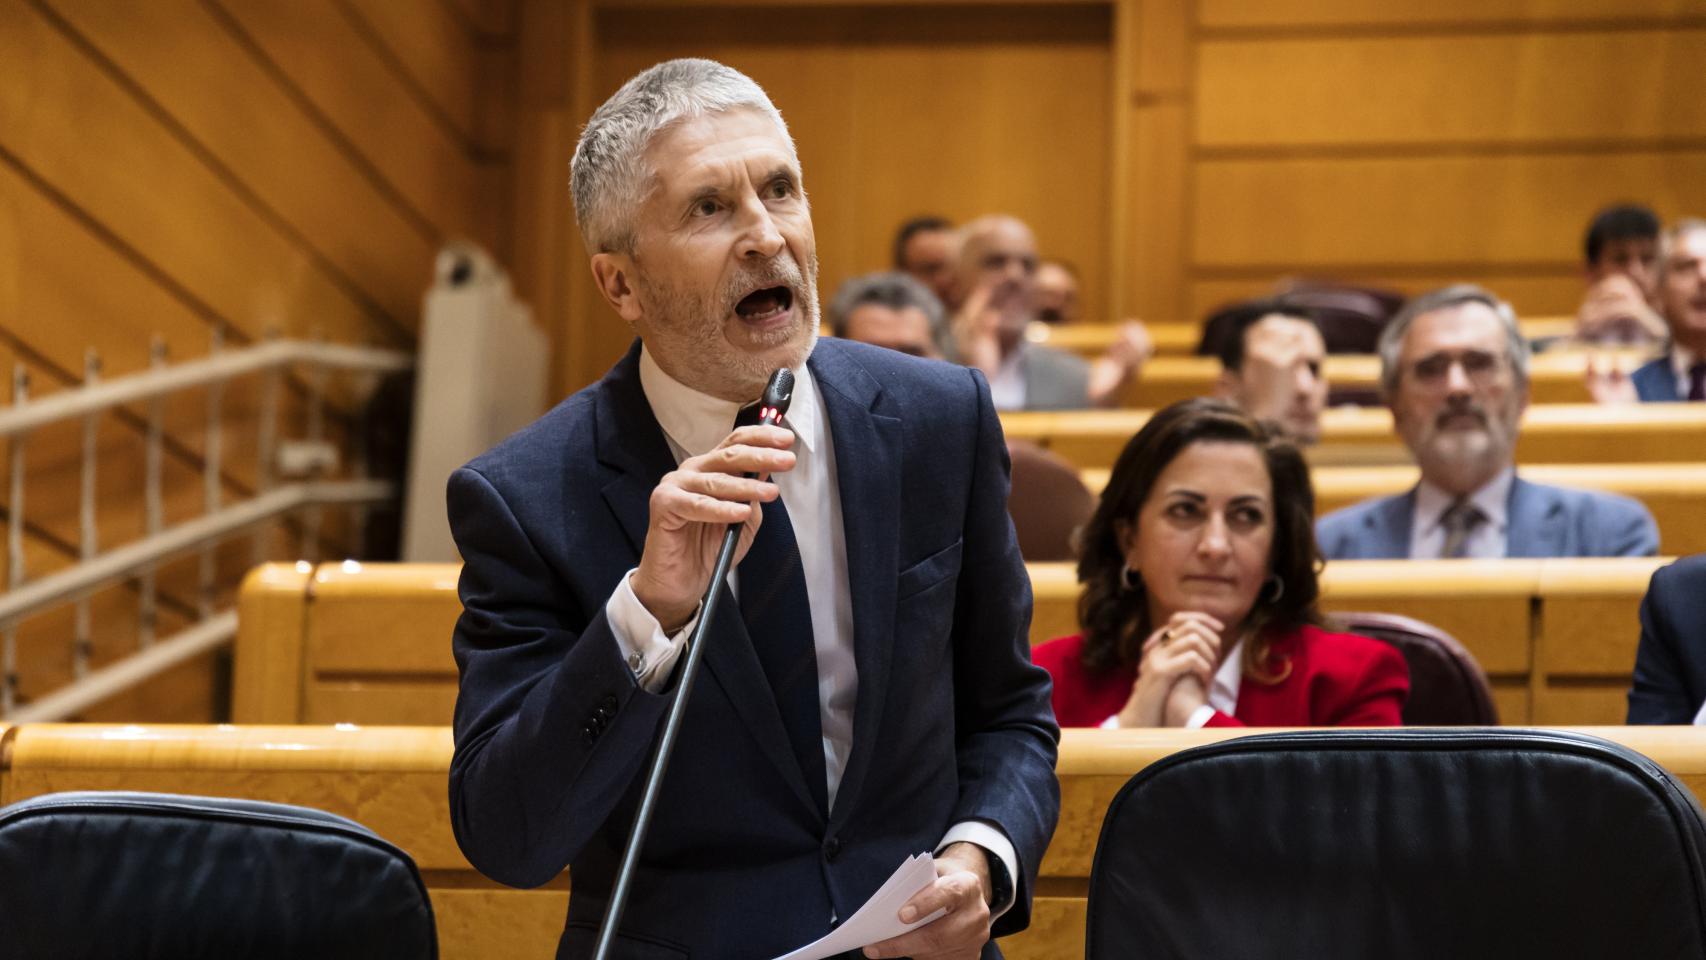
(14, 545)
(82, 643)
(210, 480)
(316, 433)
(148, 617)
(266, 448)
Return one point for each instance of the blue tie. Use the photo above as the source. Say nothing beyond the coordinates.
(777, 610)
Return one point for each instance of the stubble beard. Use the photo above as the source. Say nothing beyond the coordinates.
(687, 330)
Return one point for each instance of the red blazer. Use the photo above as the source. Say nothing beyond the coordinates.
(1336, 680)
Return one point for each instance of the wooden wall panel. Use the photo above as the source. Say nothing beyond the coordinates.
(899, 111)
(1608, 87)
(1435, 211)
(432, 48)
(1307, 14)
(348, 84)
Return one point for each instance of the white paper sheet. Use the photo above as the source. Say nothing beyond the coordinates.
(879, 918)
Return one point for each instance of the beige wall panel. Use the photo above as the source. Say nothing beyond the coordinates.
(156, 196)
(1438, 211)
(899, 112)
(1302, 14)
(1605, 702)
(202, 78)
(1609, 87)
(1554, 294)
(434, 49)
(324, 56)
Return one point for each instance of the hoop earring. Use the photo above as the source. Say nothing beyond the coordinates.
(1129, 578)
(1279, 587)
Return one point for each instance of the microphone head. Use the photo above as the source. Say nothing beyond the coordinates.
(777, 395)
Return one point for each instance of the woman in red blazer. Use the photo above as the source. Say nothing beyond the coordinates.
(1199, 572)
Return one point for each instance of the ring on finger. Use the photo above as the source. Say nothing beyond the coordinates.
(1167, 636)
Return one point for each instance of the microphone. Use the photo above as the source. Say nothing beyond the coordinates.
(778, 393)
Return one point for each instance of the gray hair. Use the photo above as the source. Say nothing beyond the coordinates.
(896, 291)
(1392, 336)
(609, 174)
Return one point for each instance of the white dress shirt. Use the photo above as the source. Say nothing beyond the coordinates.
(1007, 387)
(1222, 692)
(1681, 359)
(694, 423)
(1491, 536)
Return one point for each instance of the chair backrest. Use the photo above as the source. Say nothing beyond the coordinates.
(1447, 687)
(150, 875)
(1048, 502)
(1400, 844)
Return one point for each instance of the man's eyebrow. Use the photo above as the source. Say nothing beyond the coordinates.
(782, 171)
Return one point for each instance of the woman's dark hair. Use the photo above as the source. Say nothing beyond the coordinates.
(1115, 617)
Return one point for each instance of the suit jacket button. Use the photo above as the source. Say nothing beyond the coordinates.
(608, 706)
(589, 733)
(831, 849)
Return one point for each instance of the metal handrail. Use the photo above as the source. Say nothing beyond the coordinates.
(140, 559)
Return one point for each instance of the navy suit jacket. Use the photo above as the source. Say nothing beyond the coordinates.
(952, 722)
(1670, 663)
(1544, 521)
(1655, 381)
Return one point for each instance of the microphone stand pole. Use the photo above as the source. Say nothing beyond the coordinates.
(777, 395)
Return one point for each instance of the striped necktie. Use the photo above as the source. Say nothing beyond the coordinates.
(1458, 521)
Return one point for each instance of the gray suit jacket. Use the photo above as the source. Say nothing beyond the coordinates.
(1544, 522)
(1055, 379)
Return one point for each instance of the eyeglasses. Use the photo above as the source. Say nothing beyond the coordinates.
(1479, 367)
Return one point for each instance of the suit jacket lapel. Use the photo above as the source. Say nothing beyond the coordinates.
(630, 443)
(1389, 525)
(867, 441)
(1533, 530)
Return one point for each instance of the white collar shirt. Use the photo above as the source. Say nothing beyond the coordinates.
(1490, 538)
(1007, 387)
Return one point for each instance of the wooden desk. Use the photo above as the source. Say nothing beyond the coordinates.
(1674, 492)
(1091, 340)
(1363, 436)
(392, 780)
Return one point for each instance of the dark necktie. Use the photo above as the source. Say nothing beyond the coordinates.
(777, 610)
(1697, 381)
(1459, 520)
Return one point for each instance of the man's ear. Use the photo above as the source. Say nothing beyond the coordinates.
(612, 272)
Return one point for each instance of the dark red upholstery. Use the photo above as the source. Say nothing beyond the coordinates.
(1447, 687)
(1048, 502)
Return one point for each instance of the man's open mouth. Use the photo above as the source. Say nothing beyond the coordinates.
(765, 304)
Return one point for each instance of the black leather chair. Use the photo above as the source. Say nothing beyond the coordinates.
(1401, 844)
(148, 875)
(1447, 687)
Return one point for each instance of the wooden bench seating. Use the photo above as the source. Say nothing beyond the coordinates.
(1090, 340)
(343, 643)
(1363, 436)
(393, 780)
(1674, 492)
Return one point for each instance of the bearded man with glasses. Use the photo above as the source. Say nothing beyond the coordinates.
(1454, 371)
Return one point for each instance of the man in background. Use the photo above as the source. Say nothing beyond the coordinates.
(1057, 292)
(1670, 663)
(928, 248)
(1621, 261)
(1454, 370)
(1271, 367)
(891, 310)
(1681, 373)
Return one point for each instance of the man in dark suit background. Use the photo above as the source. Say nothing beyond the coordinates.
(868, 692)
(1670, 663)
(1681, 373)
(1454, 369)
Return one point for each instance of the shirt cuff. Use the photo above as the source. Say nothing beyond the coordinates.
(649, 654)
(1200, 717)
(1112, 723)
(997, 845)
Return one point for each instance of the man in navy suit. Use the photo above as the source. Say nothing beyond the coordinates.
(1681, 373)
(1670, 663)
(868, 692)
(1454, 369)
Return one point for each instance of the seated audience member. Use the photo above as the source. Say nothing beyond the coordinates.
(891, 310)
(1454, 371)
(997, 275)
(1670, 663)
(928, 248)
(1199, 598)
(1622, 263)
(1271, 369)
(1057, 292)
(1681, 373)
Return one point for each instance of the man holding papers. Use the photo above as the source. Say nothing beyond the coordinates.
(868, 692)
